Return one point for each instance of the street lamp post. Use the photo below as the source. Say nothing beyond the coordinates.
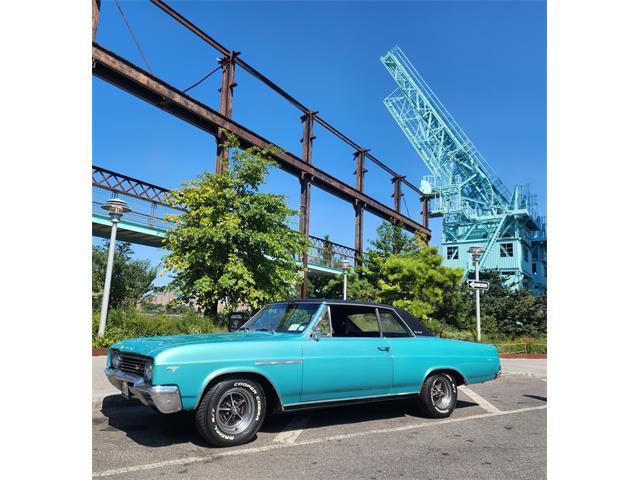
(346, 266)
(476, 253)
(116, 208)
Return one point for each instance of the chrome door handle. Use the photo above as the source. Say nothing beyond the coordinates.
(384, 349)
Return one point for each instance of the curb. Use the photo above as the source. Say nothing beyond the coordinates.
(97, 352)
(523, 355)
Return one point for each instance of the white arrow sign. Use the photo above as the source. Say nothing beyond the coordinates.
(477, 284)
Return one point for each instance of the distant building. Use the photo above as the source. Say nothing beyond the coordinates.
(161, 298)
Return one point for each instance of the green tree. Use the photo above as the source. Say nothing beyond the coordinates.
(417, 281)
(391, 239)
(510, 313)
(327, 253)
(358, 288)
(130, 279)
(233, 243)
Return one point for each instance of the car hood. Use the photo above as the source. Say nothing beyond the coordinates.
(149, 346)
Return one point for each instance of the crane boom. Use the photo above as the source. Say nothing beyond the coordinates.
(439, 140)
(476, 207)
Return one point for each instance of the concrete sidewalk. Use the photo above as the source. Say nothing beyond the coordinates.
(533, 367)
(102, 388)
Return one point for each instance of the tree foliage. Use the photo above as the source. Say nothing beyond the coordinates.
(130, 279)
(391, 239)
(516, 313)
(234, 243)
(403, 271)
(417, 281)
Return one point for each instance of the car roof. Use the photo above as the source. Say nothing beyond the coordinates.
(335, 301)
(419, 329)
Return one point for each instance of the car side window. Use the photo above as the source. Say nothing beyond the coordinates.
(354, 321)
(323, 327)
(391, 325)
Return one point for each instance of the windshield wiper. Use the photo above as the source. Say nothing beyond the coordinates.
(244, 328)
(266, 330)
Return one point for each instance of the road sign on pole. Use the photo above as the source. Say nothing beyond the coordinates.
(476, 254)
(478, 284)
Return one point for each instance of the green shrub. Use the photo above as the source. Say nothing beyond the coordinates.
(130, 323)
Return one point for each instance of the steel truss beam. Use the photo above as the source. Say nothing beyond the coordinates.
(130, 78)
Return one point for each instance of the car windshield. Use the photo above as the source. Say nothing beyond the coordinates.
(283, 318)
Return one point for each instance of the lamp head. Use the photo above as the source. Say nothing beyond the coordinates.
(476, 252)
(116, 206)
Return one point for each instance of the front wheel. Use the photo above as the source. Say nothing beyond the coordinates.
(438, 396)
(231, 412)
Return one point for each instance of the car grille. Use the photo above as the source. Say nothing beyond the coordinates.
(133, 364)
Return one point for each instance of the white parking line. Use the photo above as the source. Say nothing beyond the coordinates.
(478, 399)
(273, 446)
(293, 430)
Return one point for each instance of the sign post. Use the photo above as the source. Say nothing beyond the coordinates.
(477, 285)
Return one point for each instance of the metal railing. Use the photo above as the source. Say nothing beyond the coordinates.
(330, 254)
(149, 208)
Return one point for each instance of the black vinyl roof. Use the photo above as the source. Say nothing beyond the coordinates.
(412, 322)
(338, 301)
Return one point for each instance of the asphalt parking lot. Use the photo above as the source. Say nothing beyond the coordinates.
(498, 431)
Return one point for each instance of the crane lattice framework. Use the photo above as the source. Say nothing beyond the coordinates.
(476, 207)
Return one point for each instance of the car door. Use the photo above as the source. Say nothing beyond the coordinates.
(410, 355)
(346, 356)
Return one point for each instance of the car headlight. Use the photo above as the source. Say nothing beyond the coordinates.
(148, 371)
(116, 359)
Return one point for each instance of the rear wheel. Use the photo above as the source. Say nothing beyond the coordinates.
(231, 412)
(438, 396)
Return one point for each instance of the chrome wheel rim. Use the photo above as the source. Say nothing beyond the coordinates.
(234, 411)
(441, 394)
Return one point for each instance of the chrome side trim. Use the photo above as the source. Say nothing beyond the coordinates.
(337, 400)
(278, 362)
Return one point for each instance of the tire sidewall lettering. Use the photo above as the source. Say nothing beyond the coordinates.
(258, 399)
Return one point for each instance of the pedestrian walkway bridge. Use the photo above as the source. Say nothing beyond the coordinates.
(146, 224)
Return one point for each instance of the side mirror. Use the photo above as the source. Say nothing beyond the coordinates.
(314, 336)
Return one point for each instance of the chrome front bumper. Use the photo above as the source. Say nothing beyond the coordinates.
(166, 398)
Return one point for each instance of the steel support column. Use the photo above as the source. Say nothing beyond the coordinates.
(425, 214)
(226, 103)
(305, 196)
(132, 79)
(95, 17)
(358, 205)
(397, 192)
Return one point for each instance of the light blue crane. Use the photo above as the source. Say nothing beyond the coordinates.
(476, 207)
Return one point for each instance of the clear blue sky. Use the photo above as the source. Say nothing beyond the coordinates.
(485, 60)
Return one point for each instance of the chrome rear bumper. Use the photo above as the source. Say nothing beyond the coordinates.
(166, 398)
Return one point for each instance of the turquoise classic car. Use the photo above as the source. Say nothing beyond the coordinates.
(298, 355)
